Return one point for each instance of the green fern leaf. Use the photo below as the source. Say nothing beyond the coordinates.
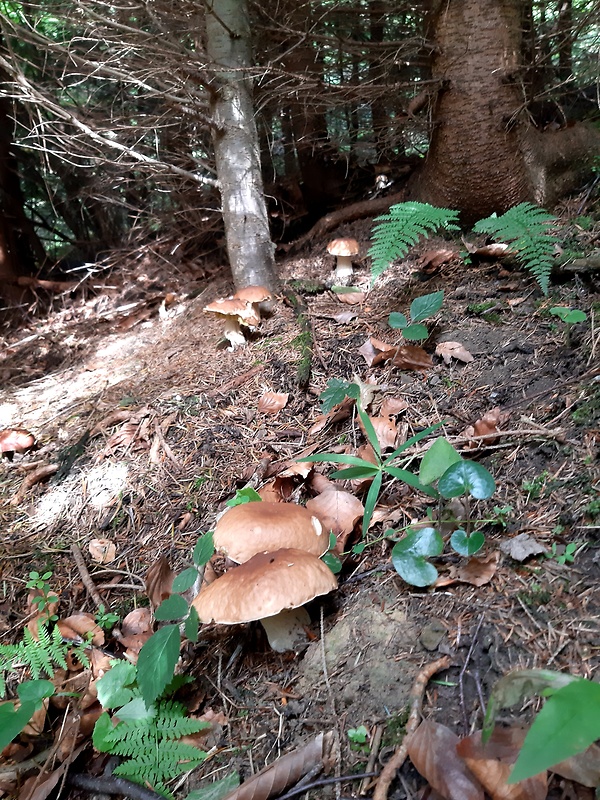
(526, 228)
(399, 230)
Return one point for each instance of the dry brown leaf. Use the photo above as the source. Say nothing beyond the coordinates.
(99, 662)
(102, 550)
(450, 350)
(492, 765)
(432, 750)
(286, 771)
(351, 298)
(83, 624)
(374, 351)
(37, 476)
(159, 582)
(35, 726)
(392, 406)
(295, 468)
(477, 571)
(338, 413)
(412, 357)
(208, 737)
(432, 260)
(338, 511)
(319, 483)
(272, 402)
(135, 631)
(272, 492)
(487, 427)
(494, 250)
(583, 767)
(114, 418)
(344, 317)
(16, 440)
(40, 786)
(385, 430)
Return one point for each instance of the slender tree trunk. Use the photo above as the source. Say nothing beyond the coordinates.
(236, 145)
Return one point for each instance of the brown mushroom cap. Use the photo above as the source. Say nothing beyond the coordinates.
(252, 528)
(253, 294)
(343, 247)
(234, 307)
(265, 585)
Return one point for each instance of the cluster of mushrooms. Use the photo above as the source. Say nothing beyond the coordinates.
(278, 547)
(240, 309)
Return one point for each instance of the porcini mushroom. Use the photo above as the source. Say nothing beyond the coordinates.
(235, 312)
(252, 528)
(264, 587)
(343, 249)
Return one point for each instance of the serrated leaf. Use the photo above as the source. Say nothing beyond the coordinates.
(156, 662)
(204, 549)
(415, 332)
(397, 320)
(440, 456)
(185, 580)
(174, 607)
(466, 545)
(426, 306)
(467, 476)
(568, 723)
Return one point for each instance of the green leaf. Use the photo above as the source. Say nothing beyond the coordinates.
(371, 500)
(426, 306)
(113, 686)
(568, 723)
(397, 320)
(467, 476)
(204, 549)
(174, 607)
(136, 710)
(336, 392)
(192, 625)
(35, 691)
(332, 561)
(413, 440)
(466, 545)
(369, 431)
(337, 458)
(332, 540)
(415, 333)
(101, 737)
(409, 556)
(156, 662)
(568, 315)
(13, 721)
(358, 735)
(359, 548)
(242, 496)
(411, 479)
(440, 456)
(355, 473)
(185, 580)
(217, 789)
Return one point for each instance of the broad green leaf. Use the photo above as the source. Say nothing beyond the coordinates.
(415, 333)
(332, 561)
(411, 479)
(217, 789)
(354, 473)
(185, 580)
(568, 723)
(409, 556)
(369, 431)
(156, 662)
(332, 540)
(136, 710)
(174, 607)
(204, 549)
(35, 691)
(113, 686)
(101, 737)
(467, 476)
(436, 460)
(192, 625)
(336, 392)
(517, 685)
(426, 306)
(359, 548)
(466, 545)
(397, 320)
(568, 315)
(245, 495)
(413, 440)
(371, 500)
(13, 721)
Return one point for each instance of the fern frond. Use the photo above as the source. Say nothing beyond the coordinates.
(526, 228)
(402, 227)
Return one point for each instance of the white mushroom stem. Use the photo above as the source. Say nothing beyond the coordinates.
(233, 333)
(286, 629)
(343, 268)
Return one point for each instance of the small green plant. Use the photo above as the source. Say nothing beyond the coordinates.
(570, 316)
(106, 619)
(245, 495)
(501, 515)
(568, 723)
(564, 555)
(421, 308)
(535, 486)
(44, 597)
(359, 739)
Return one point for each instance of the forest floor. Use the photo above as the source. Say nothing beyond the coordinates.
(174, 429)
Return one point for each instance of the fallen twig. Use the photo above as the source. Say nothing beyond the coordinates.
(103, 784)
(415, 703)
(87, 578)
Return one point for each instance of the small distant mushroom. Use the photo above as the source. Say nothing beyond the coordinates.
(343, 249)
(252, 528)
(267, 588)
(235, 312)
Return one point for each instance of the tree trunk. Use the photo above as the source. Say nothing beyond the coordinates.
(236, 145)
(475, 162)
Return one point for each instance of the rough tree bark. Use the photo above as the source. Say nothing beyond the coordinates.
(236, 145)
(484, 155)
